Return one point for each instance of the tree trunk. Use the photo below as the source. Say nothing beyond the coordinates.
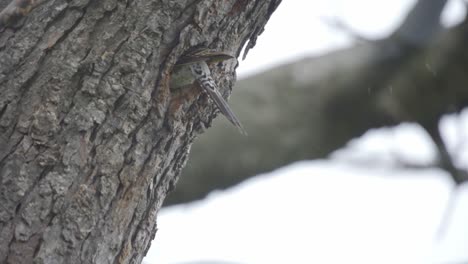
(91, 136)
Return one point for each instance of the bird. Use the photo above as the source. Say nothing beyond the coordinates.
(193, 67)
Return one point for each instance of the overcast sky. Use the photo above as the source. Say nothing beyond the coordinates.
(297, 28)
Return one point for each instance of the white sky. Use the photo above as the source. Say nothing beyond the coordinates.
(329, 217)
(283, 41)
(340, 210)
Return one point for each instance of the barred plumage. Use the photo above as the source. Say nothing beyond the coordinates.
(202, 74)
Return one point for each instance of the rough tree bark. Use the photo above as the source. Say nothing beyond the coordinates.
(308, 109)
(91, 137)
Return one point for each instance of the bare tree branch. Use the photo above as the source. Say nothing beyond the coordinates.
(310, 108)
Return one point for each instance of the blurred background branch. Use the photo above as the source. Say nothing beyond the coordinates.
(309, 108)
